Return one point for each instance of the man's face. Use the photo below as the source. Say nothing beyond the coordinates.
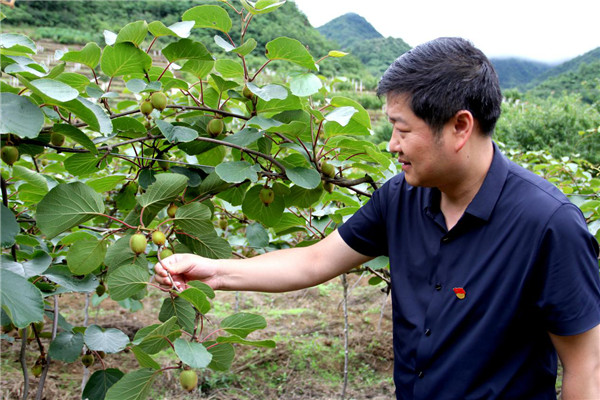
(423, 155)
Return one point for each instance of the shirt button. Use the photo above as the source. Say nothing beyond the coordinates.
(438, 286)
(445, 239)
(421, 374)
(427, 332)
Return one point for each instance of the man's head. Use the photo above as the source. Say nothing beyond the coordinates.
(442, 77)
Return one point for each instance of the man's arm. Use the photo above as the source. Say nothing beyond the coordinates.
(580, 358)
(277, 271)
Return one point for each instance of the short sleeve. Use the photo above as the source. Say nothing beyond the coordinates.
(570, 296)
(365, 231)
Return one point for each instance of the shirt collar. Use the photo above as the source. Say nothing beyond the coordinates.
(486, 198)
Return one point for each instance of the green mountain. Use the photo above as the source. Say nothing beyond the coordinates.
(516, 72)
(349, 29)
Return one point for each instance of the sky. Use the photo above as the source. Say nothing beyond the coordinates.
(541, 30)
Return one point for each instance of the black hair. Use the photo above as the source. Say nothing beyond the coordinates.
(442, 77)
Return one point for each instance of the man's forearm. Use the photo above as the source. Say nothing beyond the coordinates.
(581, 384)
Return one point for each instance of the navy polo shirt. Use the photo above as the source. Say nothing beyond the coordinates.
(472, 307)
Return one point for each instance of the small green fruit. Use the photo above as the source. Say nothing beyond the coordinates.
(158, 238)
(57, 139)
(36, 370)
(247, 93)
(328, 169)
(163, 162)
(101, 354)
(100, 289)
(9, 154)
(137, 243)
(39, 326)
(266, 195)
(188, 380)
(165, 253)
(87, 360)
(215, 127)
(328, 186)
(171, 210)
(146, 107)
(158, 100)
(223, 223)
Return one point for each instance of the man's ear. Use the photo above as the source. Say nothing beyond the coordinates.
(464, 125)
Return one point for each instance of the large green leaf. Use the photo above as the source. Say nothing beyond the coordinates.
(255, 209)
(194, 218)
(242, 324)
(14, 43)
(262, 6)
(179, 29)
(222, 355)
(284, 48)
(134, 32)
(37, 264)
(186, 49)
(165, 189)
(106, 183)
(257, 235)
(197, 298)
(99, 383)
(61, 275)
(193, 354)
(88, 56)
(20, 116)
(90, 113)
(157, 337)
(269, 92)
(109, 340)
(123, 59)
(84, 256)
(126, 281)
(180, 308)
(66, 346)
(206, 245)
(208, 16)
(20, 299)
(135, 385)
(305, 85)
(67, 205)
(237, 171)
(175, 133)
(308, 178)
(32, 177)
(81, 164)
(10, 226)
(56, 90)
(144, 358)
(236, 339)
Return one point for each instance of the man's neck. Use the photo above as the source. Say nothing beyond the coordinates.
(458, 194)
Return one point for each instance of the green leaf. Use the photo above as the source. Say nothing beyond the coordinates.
(242, 50)
(20, 299)
(257, 235)
(242, 324)
(56, 90)
(284, 48)
(208, 16)
(180, 308)
(305, 85)
(144, 359)
(222, 356)
(88, 56)
(16, 44)
(109, 340)
(123, 59)
(155, 338)
(135, 385)
(269, 92)
(341, 115)
(262, 6)
(337, 53)
(20, 116)
(10, 227)
(237, 171)
(197, 298)
(76, 135)
(256, 210)
(199, 68)
(85, 256)
(303, 198)
(66, 346)
(207, 290)
(36, 179)
(90, 113)
(165, 189)
(193, 354)
(81, 164)
(194, 218)
(207, 245)
(179, 29)
(105, 183)
(67, 205)
(61, 275)
(230, 69)
(308, 178)
(175, 133)
(99, 383)
(37, 264)
(119, 254)
(127, 281)
(256, 343)
(186, 49)
(134, 32)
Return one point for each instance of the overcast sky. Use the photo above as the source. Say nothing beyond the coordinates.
(541, 30)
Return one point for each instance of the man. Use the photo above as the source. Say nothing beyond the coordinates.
(493, 270)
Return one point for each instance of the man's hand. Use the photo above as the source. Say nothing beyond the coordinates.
(182, 268)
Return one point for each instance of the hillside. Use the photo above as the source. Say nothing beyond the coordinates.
(349, 29)
(516, 72)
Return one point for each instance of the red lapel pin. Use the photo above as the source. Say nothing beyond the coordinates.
(460, 292)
